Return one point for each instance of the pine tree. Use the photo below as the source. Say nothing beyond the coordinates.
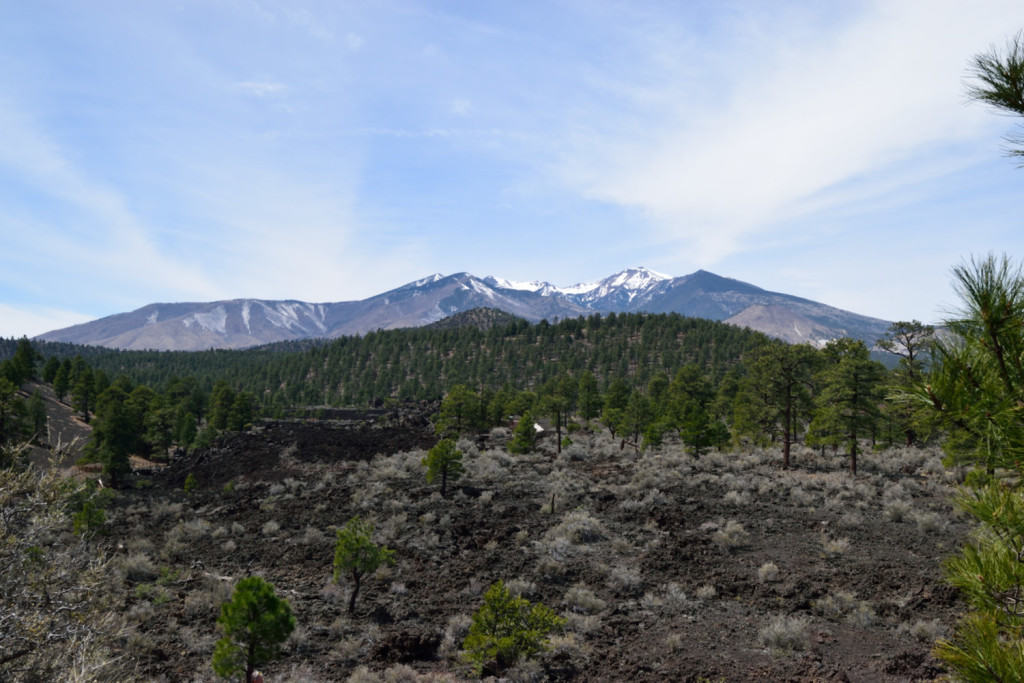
(255, 623)
(357, 554)
(911, 341)
(50, 369)
(781, 376)
(443, 460)
(82, 392)
(847, 408)
(976, 385)
(999, 82)
(37, 414)
(524, 436)
(506, 629)
(62, 380)
(114, 434)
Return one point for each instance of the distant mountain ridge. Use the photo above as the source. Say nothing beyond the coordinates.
(242, 323)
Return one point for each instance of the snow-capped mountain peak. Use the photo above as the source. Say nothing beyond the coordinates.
(533, 286)
(247, 322)
(631, 279)
(635, 278)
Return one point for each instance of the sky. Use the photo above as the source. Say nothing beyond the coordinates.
(329, 151)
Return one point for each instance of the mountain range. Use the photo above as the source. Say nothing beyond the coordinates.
(241, 323)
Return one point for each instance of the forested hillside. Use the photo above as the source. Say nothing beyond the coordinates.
(416, 364)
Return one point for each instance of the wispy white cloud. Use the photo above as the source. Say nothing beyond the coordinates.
(107, 233)
(803, 114)
(22, 321)
(323, 152)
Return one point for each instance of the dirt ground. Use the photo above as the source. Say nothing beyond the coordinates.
(666, 566)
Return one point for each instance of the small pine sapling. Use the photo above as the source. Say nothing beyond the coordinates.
(357, 554)
(524, 436)
(444, 459)
(255, 622)
(987, 644)
(507, 628)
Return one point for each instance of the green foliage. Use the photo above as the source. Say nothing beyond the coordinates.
(460, 412)
(443, 460)
(847, 406)
(976, 386)
(588, 396)
(912, 341)
(86, 506)
(11, 408)
(356, 553)
(83, 391)
(255, 623)
(190, 483)
(777, 392)
(999, 82)
(976, 390)
(989, 642)
(62, 380)
(37, 414)
(423, 363)
(50, 369)
(687, 406)
(89, 519)
(524, 436)
(22, 365)
(115, 434)
(506, 629)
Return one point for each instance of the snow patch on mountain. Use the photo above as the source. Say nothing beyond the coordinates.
(631, 279)
(286, 314)
(245, 316)
(152, 318)
(481, 288)
(533, 286)
(579, 288)
(426, 280)
(213, 321)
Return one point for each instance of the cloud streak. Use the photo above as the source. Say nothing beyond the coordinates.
(332, 152)
(805, 114)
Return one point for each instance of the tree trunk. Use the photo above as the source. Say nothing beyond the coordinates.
(355, 592)
(250, 662)
(558, 431)
(786, 434)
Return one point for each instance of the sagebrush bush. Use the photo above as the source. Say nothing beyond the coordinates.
(784, 634)
(768, 572)
(897, 510)
(582, 599)
(843, 605)
(834, 547)
(732, 537)
(927, 631)
(138, 567)
(706, 592)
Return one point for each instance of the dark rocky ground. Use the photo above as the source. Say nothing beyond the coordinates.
(643, 553)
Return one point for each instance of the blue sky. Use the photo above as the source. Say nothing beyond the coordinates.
(328, 151)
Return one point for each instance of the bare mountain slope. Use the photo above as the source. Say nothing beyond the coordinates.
(241, 323)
